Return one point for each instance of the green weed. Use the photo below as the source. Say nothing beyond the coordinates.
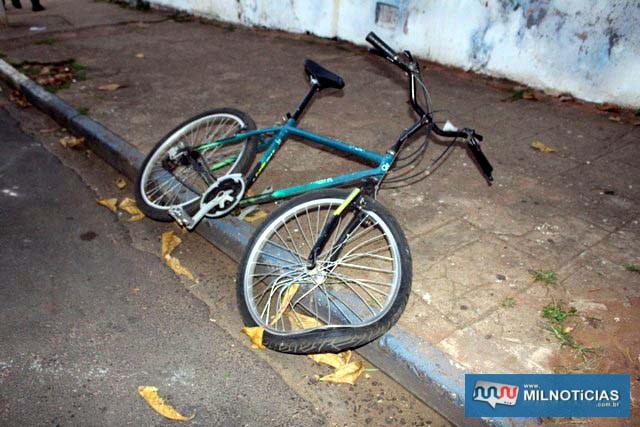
(79, 71)
(57, 87)
(508, 302)
(633, 268)
(48, 41)
(547, 277)
(556, 314)
(83, 110)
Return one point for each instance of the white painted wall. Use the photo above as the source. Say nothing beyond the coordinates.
(589, 48)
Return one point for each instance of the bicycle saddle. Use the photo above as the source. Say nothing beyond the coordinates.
(324, 77)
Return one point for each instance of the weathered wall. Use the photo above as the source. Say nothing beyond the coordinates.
(590, 48)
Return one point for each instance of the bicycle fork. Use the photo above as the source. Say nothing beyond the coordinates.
(330, 227)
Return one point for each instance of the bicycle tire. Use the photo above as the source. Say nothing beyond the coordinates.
(329, 336)
(187, 190)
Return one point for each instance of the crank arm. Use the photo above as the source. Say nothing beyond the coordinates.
(190, 222)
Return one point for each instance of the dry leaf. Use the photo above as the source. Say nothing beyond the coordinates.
(300, 321)
(140, 55)
(347, 374)
(616, 119)
(135, 218)
(256, 215)
(538, 145)
(566, 97)
(121, 183)
(174, 264)
(111, 204)
(72, 142)
(129, 205)
(19, 99)
(255, 335)
(110, 87)
(284, 304)
(527, 94)
(610, 108)
(150, 394)
(332, 359)
(169, 242)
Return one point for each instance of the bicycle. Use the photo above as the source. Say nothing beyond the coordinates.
(327, 271)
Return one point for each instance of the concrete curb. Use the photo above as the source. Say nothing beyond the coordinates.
(420, 367)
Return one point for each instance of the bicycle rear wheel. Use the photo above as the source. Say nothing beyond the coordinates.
(166, 180)
(355, 292)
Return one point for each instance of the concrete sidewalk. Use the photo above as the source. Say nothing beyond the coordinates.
(573, 213)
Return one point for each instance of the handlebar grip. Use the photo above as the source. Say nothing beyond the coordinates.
(379, 44)
(484, 164)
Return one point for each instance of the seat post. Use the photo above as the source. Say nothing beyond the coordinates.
(314, 88)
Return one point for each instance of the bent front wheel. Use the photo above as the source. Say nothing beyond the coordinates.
(355, 290)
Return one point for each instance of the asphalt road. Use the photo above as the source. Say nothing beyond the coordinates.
(85, 318)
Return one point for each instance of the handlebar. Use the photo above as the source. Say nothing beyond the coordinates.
(383, 49)
(479, 156)
(413, 69)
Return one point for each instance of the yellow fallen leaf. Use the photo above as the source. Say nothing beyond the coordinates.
(129, 205)
(135, 218)
(611, 108)
(110, 204)
(169, 242)
(255, 335)
(110, 87)
(256, 215)
(284, 304)
(527, 94)
(174, 264)
(72, 142)
(347, 374)
(140, 55)
(300, 321)
(538, 145)
(150, 394)
(121, 183)
(332, 359)
(616, 119)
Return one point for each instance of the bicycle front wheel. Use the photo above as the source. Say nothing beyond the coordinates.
(356, 290)
(167, 179)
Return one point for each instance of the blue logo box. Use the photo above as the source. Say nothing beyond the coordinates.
(547, 395)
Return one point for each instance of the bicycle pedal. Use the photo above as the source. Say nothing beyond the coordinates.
(182, 217)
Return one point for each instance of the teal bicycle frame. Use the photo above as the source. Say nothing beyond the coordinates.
(271, 145)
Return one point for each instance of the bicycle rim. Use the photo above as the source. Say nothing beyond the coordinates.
(164, 187)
